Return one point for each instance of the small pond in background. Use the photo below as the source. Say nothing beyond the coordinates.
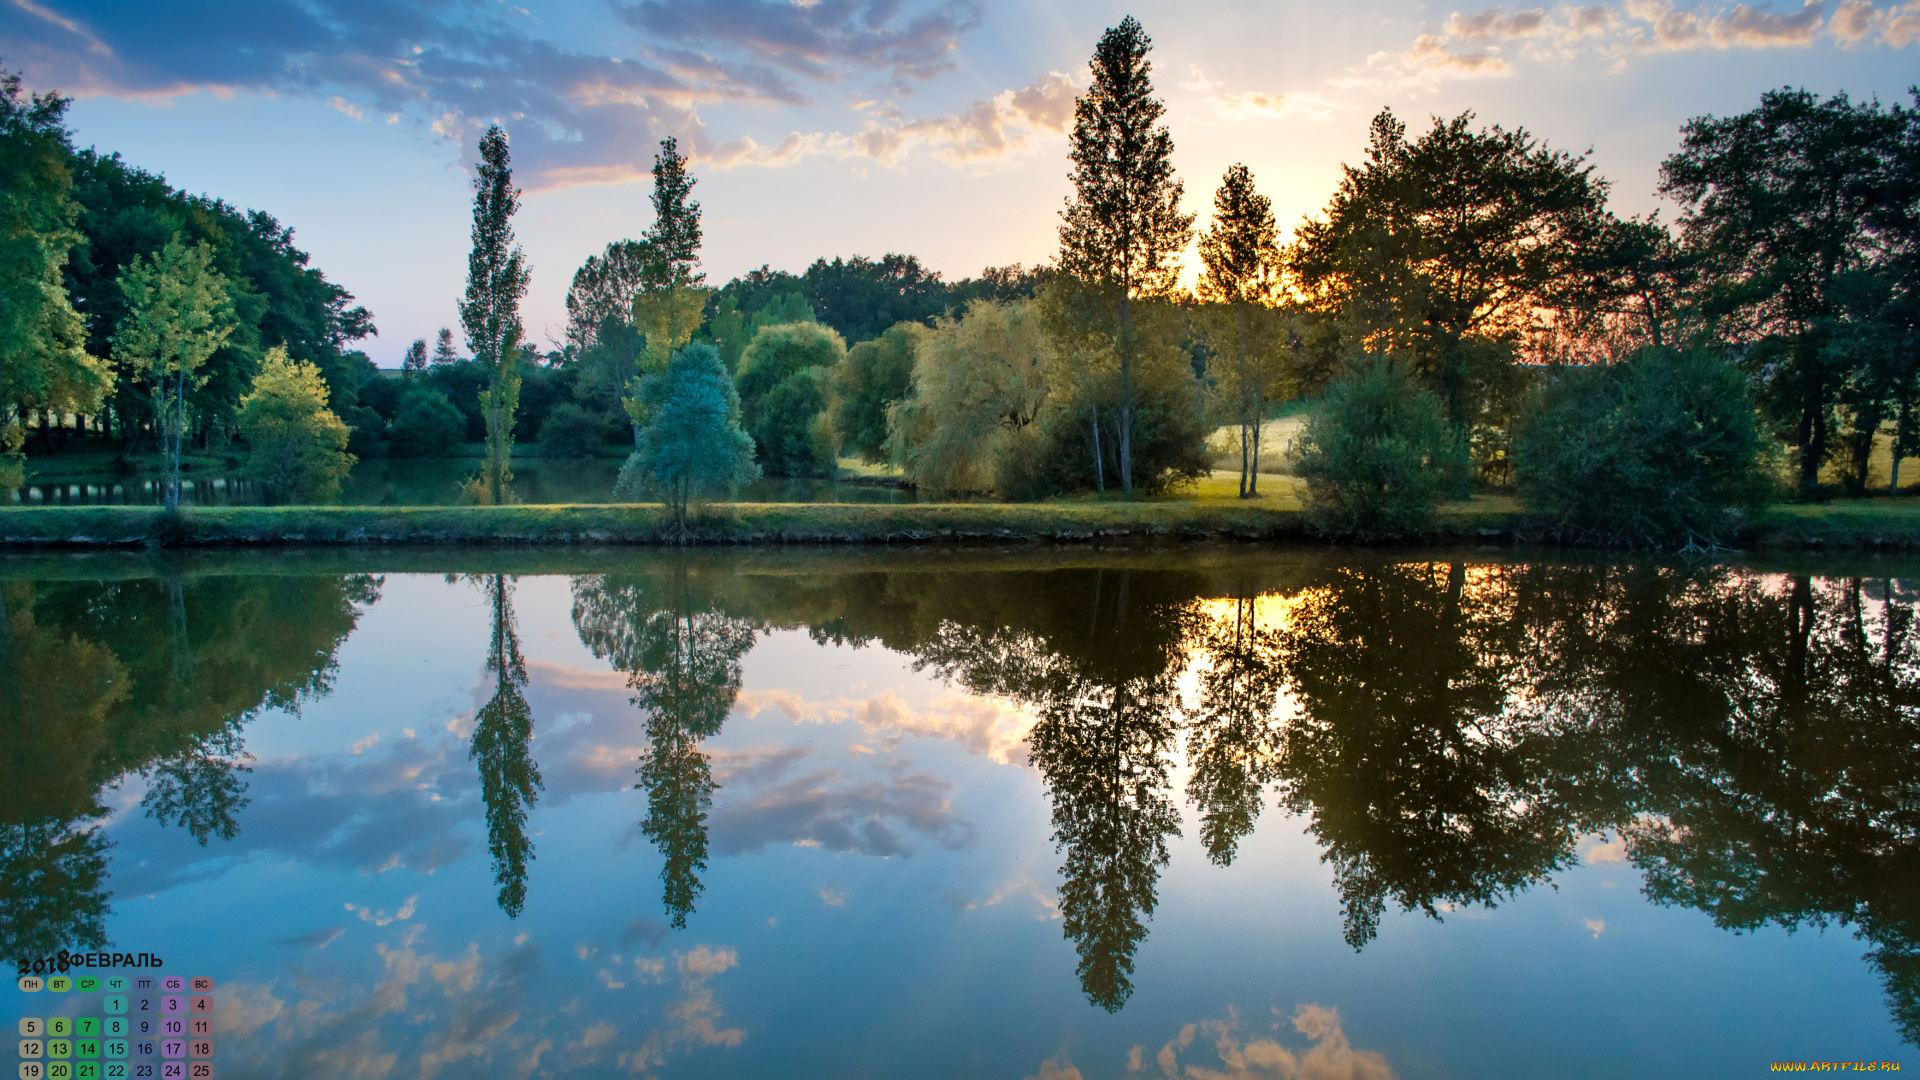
(962, 813)
(426, 482)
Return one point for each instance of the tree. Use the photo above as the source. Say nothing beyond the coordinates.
(876, 375)
(425, 425)
(443, 348)
(1644, 452)
(692, 444)
(178, 314)
(604, 287)
(862, 297)
(299, 447)
(667, 311)
(979, 383)
(1780, 203)
(44, 362)
(1376, 454)
(1122, 232)
(490, 313)
(783, 396)
(1233, 732)
(415, 360)
(510, 780)
(1446, 252)
(1242, 259)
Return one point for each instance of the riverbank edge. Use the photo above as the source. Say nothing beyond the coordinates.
(1867, 524)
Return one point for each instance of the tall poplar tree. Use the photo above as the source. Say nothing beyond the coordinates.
(1122, 232)
(490, 313)
(668, 308)
(1242, 257)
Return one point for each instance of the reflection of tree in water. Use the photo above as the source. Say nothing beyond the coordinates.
(102, 679)
(1231, 729)
(502, 734)
(1107, 709)
(684, 666)
(1404, 756)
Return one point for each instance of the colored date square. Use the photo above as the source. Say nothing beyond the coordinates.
(200, 1005)
(173, 1070)
(113, 1048)
(60, 984)
(173, 984)
(173, 1048)
(86, 1070)
(201, 984)
(87, 984)
(86, 1026)
(173, 1004)
(88, 1048)
(32, 1070)
(144, 1048)
(200, 1049)
(32, 1048)
(59, 1048)
(114, 1025)
(59, 1026)
(199, 1026)
(144, 1027)
(172, 1027)
(32, 1027)
(143, 1002)
(59, 1070)
(200, 1070)
(31, 984)
(114, 1003)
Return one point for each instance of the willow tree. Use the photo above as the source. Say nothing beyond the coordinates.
(1240, 284)
(490, 313)
(1122, 232)
(179, 312)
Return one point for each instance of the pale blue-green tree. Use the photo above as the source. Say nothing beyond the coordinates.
(693, 445)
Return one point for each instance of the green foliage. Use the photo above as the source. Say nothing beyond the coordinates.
(783, 399)
(749, 304)
(692, 444)
(861, 298)
(1376, 453)
(178, 314)
(572, 432)
(1122, 232)
(1247, 338)
(978, 383)
(604, 287)
(1646, 452)
(675, 232)
(44, 362)
(490, 312)
(874, 376)
(1783, 204)
(425, 425)
(298, 446)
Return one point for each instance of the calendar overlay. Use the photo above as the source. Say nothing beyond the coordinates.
(143, 1026)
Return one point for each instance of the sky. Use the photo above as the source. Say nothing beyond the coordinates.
(839, 127)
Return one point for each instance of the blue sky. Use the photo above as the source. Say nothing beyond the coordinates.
(835, 127)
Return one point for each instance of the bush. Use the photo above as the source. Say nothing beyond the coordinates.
(366, 431)
(298, 446)
(1377, 455)
(570, 431)
(782, 389)
(874, 375)
(1658, 448)
(426, 425)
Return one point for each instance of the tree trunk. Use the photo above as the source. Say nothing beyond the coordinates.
(1125, 434)
(1099, 466)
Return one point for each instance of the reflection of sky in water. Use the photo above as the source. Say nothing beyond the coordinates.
(880, 900)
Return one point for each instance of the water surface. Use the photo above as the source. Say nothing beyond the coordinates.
(972, 814)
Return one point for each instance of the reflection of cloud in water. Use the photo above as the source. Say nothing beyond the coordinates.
(464, 1015)
(1241, 1057)
(991, 727)
(767, 801)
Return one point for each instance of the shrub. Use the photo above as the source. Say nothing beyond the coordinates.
(570, 431)
(426, 425)
(298, 446)
(1376, 453)
(782, 389)
(1660, 447)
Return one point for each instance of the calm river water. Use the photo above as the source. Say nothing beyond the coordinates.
(974, 814)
